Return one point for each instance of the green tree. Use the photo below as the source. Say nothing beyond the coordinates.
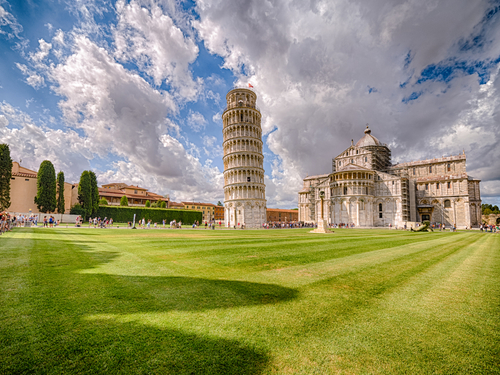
(219, 203)
(148, 203)
(487, 211)
(163, 204)
(94, 193)
(103, 202)
(88, 193)
(45, 199)
(77, 209)
(60, 193)
(5, 176)
(85, 193)
(124, 201)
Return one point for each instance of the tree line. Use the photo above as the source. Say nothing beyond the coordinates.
(50, 189)
(487, 209)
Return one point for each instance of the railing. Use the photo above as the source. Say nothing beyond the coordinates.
(241, 105)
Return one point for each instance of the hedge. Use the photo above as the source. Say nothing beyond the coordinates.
(122, 214)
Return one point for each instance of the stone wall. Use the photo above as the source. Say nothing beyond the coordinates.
(490, 219)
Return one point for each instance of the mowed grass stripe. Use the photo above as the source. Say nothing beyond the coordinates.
(353, 263)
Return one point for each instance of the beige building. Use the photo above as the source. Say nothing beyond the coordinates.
(244, 189)
(365, 189)
(23, 189)
(136, 195)
(207, 209)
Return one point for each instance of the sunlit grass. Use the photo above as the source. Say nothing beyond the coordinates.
(249, 302)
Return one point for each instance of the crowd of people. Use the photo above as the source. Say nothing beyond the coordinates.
(96, 222)
(9, 221)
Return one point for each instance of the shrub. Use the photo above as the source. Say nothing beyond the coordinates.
(124, 201)
(148, 203)
(103, 202)
(77, 209)
(163, 204)
(126, 214)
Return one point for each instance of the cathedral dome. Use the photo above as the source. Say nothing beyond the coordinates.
(368, 139)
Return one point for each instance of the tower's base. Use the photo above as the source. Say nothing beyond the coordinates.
(322, 227)
(245, 213)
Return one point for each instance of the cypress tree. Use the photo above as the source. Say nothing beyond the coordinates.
(94, 193)
(163, 204)
(85, 193)
(46, 187)
(5, 176)
(124, 201)
(60, 193)
(148, 203)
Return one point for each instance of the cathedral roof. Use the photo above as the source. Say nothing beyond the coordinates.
(368, 139)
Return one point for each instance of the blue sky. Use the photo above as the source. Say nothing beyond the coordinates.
(135, 89)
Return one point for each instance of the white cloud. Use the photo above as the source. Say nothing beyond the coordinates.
(122, 115)
(33, 79)
(148, 37)
(43, 51)
(212, 148)
(196, 121)
(34, 143)
(9, 25)
(59, 37)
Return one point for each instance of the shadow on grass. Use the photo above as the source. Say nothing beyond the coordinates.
(45, 326)
(104, 347)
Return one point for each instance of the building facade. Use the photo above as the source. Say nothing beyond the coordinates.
(207, 209)
(366, 190)
(244, 189)
(282, 215)
(136, 196)
(23, 190)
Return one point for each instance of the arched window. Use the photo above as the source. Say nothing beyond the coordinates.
(366, 159)
(345, 190)
(447, 203)
(352, 161)
(430, 168)
(380, 206)
(414, 171)
(448, 167)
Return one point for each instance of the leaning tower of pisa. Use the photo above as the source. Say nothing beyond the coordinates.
(244, 189)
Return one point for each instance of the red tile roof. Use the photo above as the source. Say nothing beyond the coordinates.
(19, 174)
(198, 204)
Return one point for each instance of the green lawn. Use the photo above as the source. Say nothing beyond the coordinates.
(249, 302)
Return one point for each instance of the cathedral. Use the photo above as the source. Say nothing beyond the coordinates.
(367, 190)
